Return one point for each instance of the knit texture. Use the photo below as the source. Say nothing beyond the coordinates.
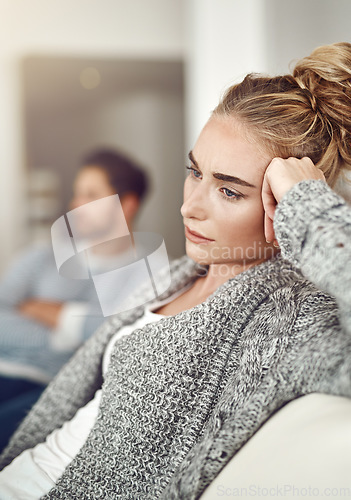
(183, 395)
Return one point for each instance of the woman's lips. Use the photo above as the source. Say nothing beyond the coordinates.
(195, 237)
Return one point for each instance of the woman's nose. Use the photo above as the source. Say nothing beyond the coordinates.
(195, 200)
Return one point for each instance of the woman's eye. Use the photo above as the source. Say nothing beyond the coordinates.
(195, 173)
(228, 193)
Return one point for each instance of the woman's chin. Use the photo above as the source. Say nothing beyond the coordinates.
(197, 253)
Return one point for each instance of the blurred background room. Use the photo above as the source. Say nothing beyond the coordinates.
(141, 76)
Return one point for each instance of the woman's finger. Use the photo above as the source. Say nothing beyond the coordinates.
(268, 229)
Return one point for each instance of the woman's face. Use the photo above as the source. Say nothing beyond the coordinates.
(222, 210)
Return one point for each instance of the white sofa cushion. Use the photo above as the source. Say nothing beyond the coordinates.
(304, 450)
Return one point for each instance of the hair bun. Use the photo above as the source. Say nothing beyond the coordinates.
(325, 77)
(331, 63)
(326, 74)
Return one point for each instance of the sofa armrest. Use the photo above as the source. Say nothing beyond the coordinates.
(304, 450)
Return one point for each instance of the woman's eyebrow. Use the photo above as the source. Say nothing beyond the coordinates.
(192, 159)
(223, 177)
(231, 178)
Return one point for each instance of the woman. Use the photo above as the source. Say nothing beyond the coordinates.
(241, 330)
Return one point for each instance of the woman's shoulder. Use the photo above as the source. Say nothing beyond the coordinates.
(279, 282)
(278, 301)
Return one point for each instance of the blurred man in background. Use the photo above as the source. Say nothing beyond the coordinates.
(45, 317)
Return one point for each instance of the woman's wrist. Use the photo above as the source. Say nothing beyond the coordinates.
(305, 202)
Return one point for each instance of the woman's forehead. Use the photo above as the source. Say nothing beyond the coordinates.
(224, 147)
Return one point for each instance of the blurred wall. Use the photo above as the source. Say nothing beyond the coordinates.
(226, 40)
(81, 28)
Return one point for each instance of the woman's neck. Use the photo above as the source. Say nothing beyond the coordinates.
(218, 274)
(203, 287)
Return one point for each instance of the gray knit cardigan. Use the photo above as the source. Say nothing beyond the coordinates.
(182, 396)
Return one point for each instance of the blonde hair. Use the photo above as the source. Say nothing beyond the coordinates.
(307, 113)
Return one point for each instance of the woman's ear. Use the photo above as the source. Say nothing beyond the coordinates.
(130, 205)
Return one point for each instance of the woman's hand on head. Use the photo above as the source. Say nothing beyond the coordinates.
(280, 176)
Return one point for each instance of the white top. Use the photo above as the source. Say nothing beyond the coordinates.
(35, 471)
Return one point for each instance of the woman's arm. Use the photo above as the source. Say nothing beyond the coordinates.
(312, 225)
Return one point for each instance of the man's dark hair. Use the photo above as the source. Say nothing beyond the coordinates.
(124, 175)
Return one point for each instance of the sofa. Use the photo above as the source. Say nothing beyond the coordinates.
(302, 451)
